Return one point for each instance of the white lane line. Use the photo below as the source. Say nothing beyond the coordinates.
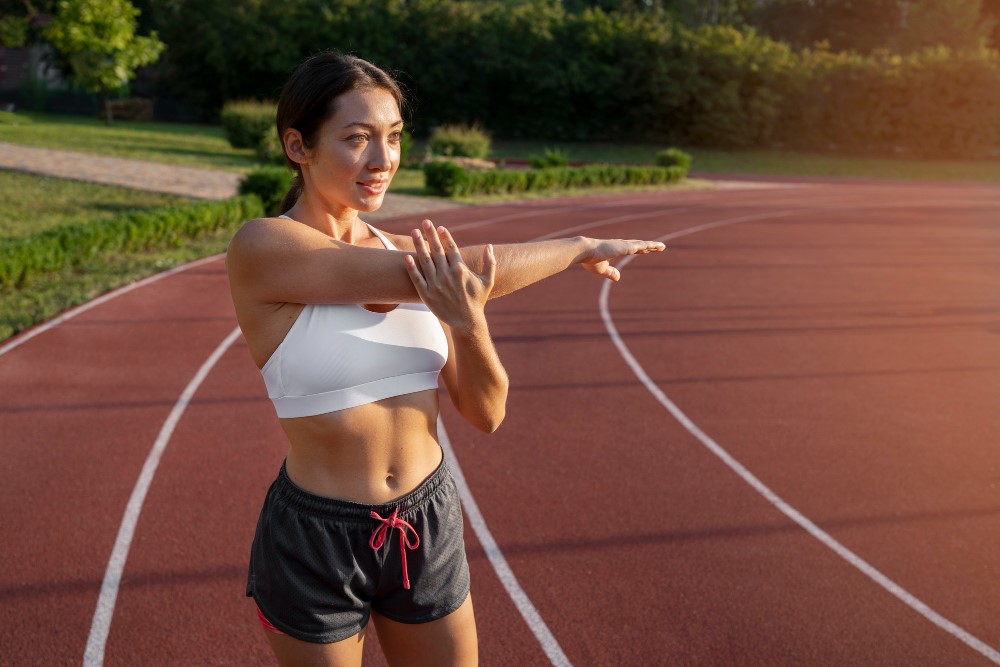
(497, 560)
(96, 641)
(21, 339)
(871, 572)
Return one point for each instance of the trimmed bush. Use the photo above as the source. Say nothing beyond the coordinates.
(551, 157)
(72, 244)
(673, 157)
(269, 184)
(448, 179)
(270, 150)
(460, 141)
(246, 121)
(444, 178)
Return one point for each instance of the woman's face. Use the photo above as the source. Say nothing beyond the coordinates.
(358, 151)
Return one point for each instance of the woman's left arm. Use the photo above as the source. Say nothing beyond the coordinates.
(476, 380)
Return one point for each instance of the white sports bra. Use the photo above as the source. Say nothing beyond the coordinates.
(338, 356)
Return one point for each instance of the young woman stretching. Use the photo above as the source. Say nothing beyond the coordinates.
(351, 328)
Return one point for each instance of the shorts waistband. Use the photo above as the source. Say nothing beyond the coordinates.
(347, 510)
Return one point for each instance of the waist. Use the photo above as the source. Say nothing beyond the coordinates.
(371, 453)
(347, 510)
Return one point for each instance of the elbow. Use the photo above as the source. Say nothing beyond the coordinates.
(490, 423)
(490, 415)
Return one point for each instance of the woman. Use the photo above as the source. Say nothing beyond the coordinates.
(351, 328)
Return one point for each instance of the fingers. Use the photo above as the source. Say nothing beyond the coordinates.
(416, 277)
(437, 250)
(450, 247)
(423, 252)
(643, 247)
(489, 266)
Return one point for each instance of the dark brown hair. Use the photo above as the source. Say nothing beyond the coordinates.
(309, 98)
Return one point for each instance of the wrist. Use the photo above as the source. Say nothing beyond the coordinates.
(584, 246)
(474, 327)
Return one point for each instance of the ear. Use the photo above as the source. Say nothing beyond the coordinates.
(294, 146)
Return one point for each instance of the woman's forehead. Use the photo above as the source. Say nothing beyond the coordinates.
(375, 107)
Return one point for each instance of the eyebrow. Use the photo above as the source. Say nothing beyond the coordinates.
(371, 127)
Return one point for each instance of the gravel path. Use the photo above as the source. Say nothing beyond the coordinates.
(172, 179)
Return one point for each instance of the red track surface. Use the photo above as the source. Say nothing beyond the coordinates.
(842, 342)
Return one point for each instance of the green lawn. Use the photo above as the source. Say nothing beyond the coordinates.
(173, 143)
(34, 203)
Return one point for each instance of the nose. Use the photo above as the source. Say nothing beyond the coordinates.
(381, 156)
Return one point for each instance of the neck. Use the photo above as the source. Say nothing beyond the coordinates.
(335, 221)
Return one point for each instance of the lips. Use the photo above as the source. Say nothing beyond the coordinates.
(373, 187)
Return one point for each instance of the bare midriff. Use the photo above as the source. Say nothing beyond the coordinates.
(371, 453)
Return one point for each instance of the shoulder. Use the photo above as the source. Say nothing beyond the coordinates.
(261, 234)
(402, 241)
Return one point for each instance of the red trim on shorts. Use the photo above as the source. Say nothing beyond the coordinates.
(266, 623)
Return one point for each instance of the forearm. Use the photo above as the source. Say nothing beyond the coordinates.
(521, 264)
(482, 380)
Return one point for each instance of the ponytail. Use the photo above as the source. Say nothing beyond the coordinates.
(292, 195)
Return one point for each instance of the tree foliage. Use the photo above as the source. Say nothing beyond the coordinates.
(97, 40)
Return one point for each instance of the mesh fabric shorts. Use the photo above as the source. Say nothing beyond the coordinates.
(315, 574)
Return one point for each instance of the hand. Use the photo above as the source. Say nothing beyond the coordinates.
(447, 286)
(597, 259)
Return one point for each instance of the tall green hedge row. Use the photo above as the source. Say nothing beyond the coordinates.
(73, 244)
(532, 69)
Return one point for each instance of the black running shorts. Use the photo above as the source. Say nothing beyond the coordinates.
(318, 566)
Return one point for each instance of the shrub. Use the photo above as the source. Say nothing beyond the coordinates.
(71, 245)
(460, 140)
(673, 157)
(246, 121)
(270, 184)
(551, 157)
(444, 178)
(447, 179)
(270, 150)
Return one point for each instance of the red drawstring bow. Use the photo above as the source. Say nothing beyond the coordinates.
(378, 538)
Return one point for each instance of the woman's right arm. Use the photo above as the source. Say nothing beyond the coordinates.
(276, 262)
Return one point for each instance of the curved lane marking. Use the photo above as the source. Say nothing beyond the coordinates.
(870, 571)
(94, 653)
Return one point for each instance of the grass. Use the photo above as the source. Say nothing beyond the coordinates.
(34, 203)
(45, 298)
(172, 143)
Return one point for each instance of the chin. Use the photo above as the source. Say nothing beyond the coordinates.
(369, 205)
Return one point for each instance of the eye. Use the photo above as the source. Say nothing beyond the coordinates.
(357, 138)
(396, 137)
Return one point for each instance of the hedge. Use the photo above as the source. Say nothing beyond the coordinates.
(538, 70)
(270, 183)
(73, 244)
(245, 122)
(449, 180)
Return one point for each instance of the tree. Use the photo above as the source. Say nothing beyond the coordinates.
(98, 42)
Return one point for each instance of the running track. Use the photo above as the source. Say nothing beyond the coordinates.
(836, 345)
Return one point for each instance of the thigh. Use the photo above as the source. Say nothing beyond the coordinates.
(293, 652)
(450, 640)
